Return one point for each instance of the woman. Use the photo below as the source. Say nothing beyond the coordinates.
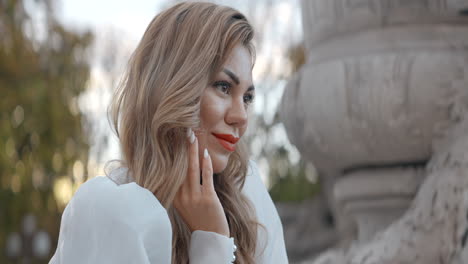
(186, 192)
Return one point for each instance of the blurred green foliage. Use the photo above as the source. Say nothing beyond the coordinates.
(291, 182)
(43, 70)
(294, 188)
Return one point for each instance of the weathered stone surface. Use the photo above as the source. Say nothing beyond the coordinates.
(380, 108)
(325, 20)
(376, 197)
(435, 228)
(308, 228)
(375, 109)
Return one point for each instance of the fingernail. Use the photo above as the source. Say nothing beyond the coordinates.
(189, 132)
(206, 153)
(192, 138)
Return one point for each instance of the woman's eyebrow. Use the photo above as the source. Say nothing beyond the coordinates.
(231, 75)
(236, 79)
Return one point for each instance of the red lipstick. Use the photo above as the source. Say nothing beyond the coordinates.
(227, 137)
(227, 141)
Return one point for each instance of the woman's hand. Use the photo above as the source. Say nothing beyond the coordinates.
(198, 204)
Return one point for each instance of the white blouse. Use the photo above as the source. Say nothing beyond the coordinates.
(113, 220)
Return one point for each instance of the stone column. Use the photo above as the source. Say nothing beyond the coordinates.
(375, 198)
(384, 83)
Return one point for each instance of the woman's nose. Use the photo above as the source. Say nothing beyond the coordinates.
(237, 113)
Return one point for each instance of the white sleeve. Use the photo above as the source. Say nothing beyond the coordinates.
(270, 240)
(106, 223)
(209, 247)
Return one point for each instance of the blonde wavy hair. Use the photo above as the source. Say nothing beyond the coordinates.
(159, 99)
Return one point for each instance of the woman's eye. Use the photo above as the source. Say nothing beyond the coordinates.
(223, 86)
(248, 98)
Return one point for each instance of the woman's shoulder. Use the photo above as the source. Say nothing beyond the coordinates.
(113, 223)
(255, 189)
(253, 180)
(127, 203)
(270, 239)
(257, 192)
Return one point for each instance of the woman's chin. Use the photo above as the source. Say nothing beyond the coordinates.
(219, 163)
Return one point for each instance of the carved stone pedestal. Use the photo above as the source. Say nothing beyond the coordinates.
(379, 98)
(377, 197)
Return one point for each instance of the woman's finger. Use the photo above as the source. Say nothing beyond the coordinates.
(207, 173)
(193, 176)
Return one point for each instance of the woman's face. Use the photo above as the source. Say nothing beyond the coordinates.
(223, 112)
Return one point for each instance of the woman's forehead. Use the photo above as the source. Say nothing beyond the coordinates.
(239, 64)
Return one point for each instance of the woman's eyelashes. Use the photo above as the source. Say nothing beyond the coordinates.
(248, 98)
(225, 87)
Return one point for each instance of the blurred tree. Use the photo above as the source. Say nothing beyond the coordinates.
(289, 182)
(43, 140)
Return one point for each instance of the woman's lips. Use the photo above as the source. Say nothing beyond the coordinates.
(228, 137)
(225, 143)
